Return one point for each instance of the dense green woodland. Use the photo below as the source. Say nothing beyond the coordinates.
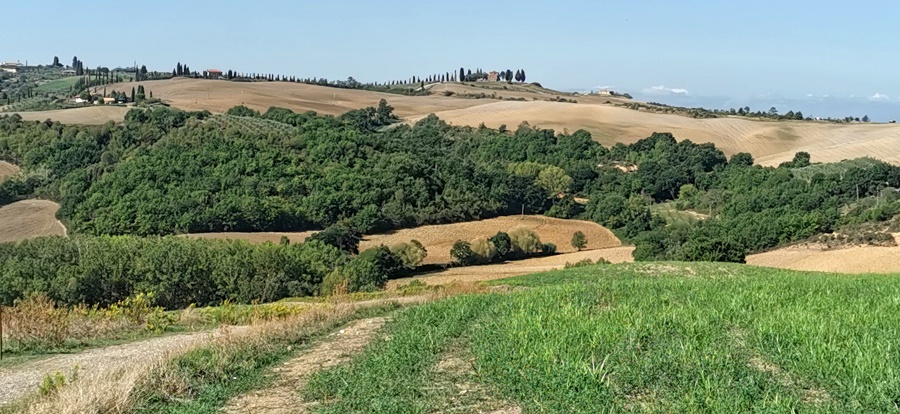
(165, 171)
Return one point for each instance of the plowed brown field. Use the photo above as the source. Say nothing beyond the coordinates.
(865, 259)
(28, 219)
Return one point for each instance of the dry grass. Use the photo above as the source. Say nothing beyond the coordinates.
(28, 219)
(7, 169)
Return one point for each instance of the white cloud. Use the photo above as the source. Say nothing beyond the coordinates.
(662, 90)
(879, 97)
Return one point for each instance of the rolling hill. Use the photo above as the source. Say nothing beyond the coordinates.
(770, 142)
(438, 239)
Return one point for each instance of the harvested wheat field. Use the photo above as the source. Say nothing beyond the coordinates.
(859, 259)
(438, 239)
(770, 142)
(89, 115)
(28, 219)
(218, 96)
(7, 169)
(620, 254)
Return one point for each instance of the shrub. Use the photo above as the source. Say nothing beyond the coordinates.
(579, 241)
(410, 254)
(580, 263)
(548, 249)
(502, 243)
(462, 253)
(340, 235)
(525, 242)
(484, 250)
(35, 323)
(371, 270)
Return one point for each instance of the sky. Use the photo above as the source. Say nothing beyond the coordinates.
(824, 57)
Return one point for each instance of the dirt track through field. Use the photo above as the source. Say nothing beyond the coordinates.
(20, 380)
(28, 219)
(284, 395)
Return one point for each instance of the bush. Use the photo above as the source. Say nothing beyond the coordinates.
(484, 250)
(503, 244)
(462, 253)
(580, 263)
(180, 271)
(525, 242)
(410, 254)
(549, 249)
(579, 241)
(340, 235)
(371, 270)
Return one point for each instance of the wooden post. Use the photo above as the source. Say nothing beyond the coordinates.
(1, 333)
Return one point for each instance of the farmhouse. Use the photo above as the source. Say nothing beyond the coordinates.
(212, 74)
(606, 92)
(109, 100)
(11, 67)
(493, 76)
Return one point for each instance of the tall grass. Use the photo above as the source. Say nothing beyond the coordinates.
(648, 337)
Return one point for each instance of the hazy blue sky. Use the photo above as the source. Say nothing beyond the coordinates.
(825, 57)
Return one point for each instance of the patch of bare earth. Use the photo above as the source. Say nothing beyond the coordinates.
(857, 259)
(28, 219)
(809, 393)
(88, 115)
(283, 396)
(21, 380)
(517, 268)
(7, 169)
(455, 387)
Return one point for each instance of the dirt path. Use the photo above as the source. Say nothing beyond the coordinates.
(284, 395)
(18, 381)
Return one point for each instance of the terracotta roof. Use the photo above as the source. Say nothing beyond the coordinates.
(214, 71)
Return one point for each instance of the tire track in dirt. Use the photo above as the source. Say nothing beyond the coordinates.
(284, 395)
(19, 381)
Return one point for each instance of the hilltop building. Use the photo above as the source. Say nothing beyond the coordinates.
(11, 67)
(212, 74)
(493, 76)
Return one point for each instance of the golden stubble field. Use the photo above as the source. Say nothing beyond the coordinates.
(29, 219)
(858, 259)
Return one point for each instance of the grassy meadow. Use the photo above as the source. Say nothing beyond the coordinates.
(659, 337)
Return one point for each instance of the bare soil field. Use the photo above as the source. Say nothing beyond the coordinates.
(89, 115)
(620, 254)
(28, 219)
(7, 169)
(438, 239)
(860, 259)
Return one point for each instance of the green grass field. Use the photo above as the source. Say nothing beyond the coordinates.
(674, 216)
(653, 337)
(58, 85)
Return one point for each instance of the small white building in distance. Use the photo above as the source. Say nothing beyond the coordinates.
(605, 92)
